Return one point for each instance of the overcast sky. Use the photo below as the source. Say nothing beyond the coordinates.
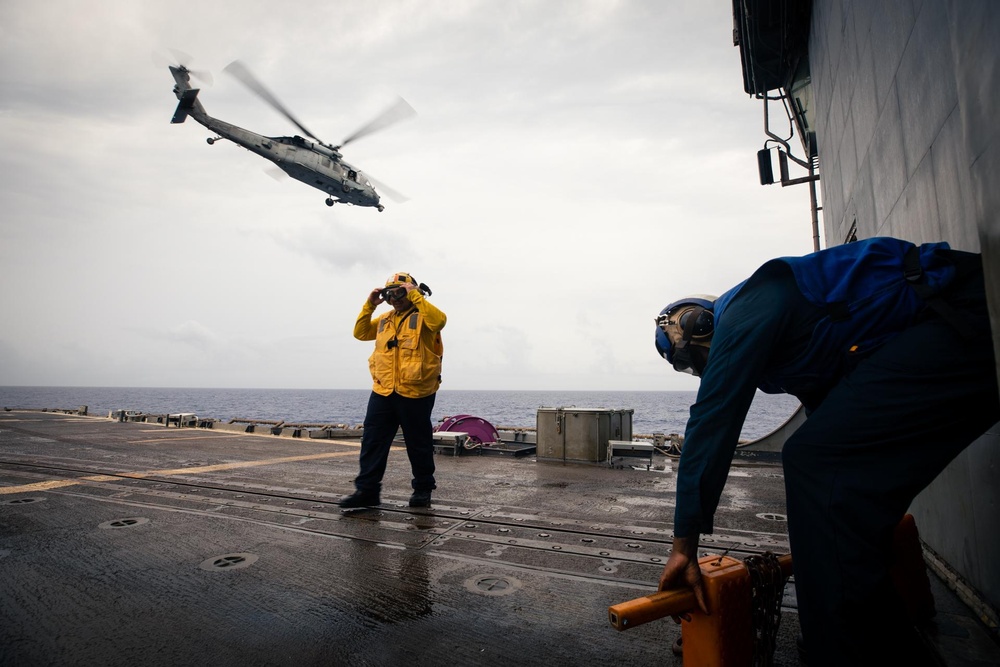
(573, 167)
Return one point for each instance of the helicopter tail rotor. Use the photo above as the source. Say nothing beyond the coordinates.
(181, 61)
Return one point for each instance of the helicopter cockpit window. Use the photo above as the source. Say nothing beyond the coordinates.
(351, 174)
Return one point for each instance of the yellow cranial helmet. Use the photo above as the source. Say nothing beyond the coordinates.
(399, 279)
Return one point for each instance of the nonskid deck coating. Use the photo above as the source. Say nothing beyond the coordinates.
(128, 542)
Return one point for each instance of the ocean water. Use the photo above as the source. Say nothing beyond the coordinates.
(654, 411)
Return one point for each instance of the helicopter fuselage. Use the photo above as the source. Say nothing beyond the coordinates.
(314, 164)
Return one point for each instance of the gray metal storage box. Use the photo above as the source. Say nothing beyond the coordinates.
(580, 435)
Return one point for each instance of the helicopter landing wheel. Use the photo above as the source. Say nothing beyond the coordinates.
(381, 208)
(330, 201)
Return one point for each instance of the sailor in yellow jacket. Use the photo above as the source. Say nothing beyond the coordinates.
(406, 371)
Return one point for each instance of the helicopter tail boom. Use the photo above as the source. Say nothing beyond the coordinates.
(187, 96)
(187, 102)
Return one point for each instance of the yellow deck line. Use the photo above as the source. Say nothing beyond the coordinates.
(56, 484)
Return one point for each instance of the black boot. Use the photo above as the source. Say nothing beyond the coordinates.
(360, 499)
(421, 498)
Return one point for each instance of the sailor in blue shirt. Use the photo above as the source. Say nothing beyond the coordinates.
(888, 347)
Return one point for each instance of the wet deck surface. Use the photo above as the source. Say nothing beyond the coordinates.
(132, 543)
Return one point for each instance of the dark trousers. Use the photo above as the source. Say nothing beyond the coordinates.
(879, 437)
(386, 414)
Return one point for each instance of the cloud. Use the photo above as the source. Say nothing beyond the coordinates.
(573, 167)
(195, 334)
(335, 245)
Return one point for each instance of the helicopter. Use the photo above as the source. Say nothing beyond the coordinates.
(309, 160)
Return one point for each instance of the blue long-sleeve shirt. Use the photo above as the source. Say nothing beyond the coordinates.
(767, 323)
(797, 325)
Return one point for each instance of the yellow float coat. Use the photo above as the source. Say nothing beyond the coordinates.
(412, 366)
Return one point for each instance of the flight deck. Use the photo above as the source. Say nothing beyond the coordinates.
(127, 543)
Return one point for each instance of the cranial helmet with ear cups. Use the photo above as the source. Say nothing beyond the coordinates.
(684, 331)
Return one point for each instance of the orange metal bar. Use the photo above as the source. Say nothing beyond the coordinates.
(724, 638)
(627, 615)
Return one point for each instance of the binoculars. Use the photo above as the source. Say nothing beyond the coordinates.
(387, 293)
(397, 292)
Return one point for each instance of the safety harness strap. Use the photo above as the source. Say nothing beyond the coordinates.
(914, 274)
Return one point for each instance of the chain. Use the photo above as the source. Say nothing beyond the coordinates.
(767, 585)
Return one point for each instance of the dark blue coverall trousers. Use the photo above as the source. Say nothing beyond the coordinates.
(881, 434)
(386, 414)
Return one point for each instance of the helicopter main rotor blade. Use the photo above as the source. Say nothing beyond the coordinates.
(276, 173)
(240, 71)
(384, 189)
(399, 110)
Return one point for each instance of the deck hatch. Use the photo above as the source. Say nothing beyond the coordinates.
(124, 523)
(236, 561)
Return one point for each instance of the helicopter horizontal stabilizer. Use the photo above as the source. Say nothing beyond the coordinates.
(187, 102)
